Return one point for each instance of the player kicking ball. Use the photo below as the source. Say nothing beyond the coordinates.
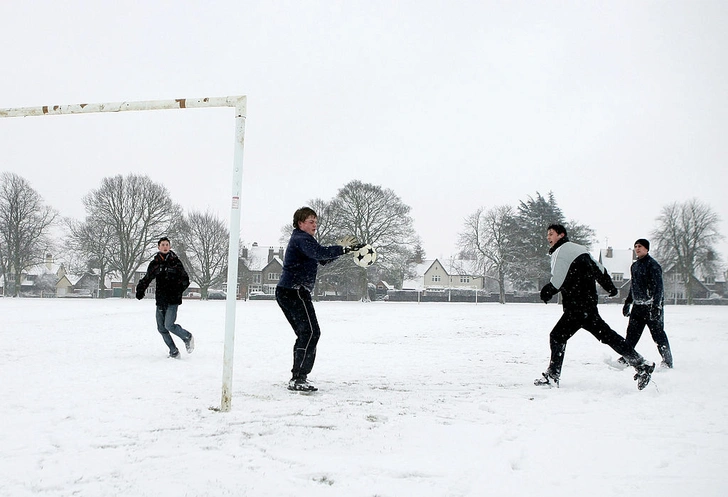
(294, 289)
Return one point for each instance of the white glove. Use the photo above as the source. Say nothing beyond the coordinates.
(347, 241)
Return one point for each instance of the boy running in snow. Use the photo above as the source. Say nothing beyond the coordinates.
(172, 280)
(574, 273)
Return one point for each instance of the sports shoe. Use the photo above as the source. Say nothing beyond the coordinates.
(547, 378)
(174, 354)
(301, 385)
(190, 344)
(643, 375)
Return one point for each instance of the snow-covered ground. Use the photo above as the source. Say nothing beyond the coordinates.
(414, 400)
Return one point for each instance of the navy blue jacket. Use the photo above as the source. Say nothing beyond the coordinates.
(303, 255)
(646, 286)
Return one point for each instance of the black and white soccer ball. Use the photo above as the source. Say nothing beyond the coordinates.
(365, 256)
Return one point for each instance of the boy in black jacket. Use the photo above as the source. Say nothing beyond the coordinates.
(172, 280)
(574, 273)
(646, 292)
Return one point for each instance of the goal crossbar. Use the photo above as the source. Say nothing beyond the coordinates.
(239, 103)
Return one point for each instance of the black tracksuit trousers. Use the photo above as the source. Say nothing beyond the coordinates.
(571, 322)
(298, 308)
(638, 319)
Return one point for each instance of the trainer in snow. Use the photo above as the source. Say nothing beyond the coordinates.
(294, 289)
(574, 273)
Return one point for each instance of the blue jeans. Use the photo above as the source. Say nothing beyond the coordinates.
(166, 317)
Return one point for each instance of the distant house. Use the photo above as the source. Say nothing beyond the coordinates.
(65, 286)
(38, 281)
(259, 269)
(618, 263)
(433, 275)
(382, 287)
(270, 274)
(705, 286)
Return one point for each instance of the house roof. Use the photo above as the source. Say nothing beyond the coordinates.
(257, 258)
(43, 268)
(417, 281)
(460, 266)
(617, 260)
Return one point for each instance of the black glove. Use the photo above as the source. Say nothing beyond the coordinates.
(139, 294)
(354, 247)
(547, 292)
(613, 292)
(625, 309)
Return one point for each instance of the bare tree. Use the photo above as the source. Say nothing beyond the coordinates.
(324, 227)
(377, 216)
(203, 243)
(91, 241)
(685, 237)
(25, 223)
(489, 237)
(137, 212)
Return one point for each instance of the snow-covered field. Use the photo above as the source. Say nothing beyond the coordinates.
(414, 400)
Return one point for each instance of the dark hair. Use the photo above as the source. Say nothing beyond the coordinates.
(163, 239)
(301, 215)
(558, 228)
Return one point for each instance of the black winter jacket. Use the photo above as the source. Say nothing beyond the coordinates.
(646, 287)
(172, 279)
(575, 274)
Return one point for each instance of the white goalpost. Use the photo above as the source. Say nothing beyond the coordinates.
(239, 104)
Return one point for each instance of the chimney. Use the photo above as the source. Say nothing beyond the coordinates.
(49, 260)
(245, 252)
(610, 252)
(270, 254)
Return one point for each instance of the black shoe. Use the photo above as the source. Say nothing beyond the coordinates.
(547, 378)
(666, 365)
(301, 385)
(174, 354)
(622, 361)
(643, 375)
(190, 344)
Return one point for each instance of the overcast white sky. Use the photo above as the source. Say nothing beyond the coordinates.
(617, 107)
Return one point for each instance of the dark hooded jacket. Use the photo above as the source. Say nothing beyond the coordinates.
(575, 273)
(172, 279)
(303, 255)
